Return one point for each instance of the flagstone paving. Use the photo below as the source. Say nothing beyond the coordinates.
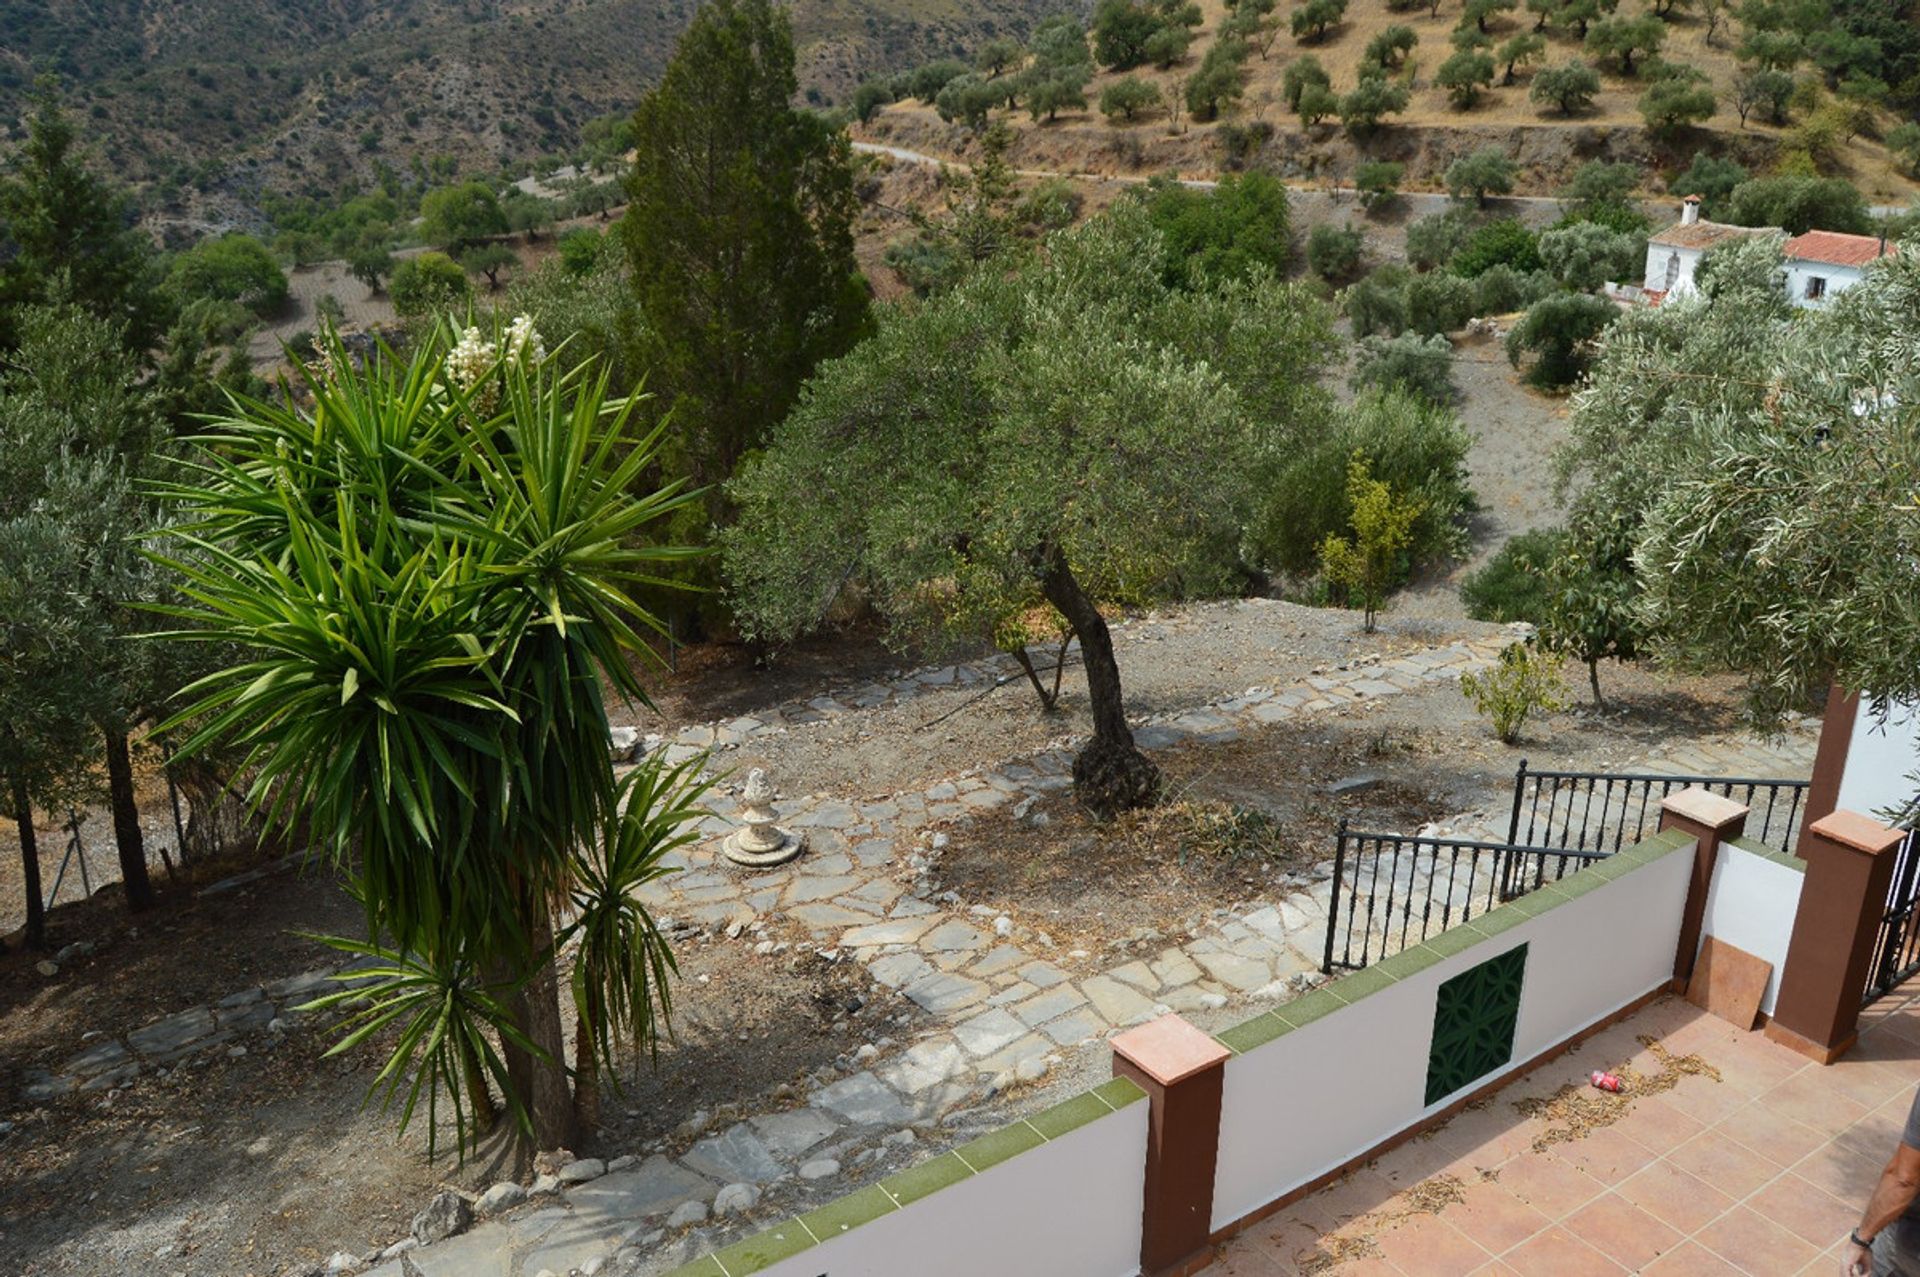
(1757, 1164)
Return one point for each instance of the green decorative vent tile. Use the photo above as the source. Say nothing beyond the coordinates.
(1473, 1021)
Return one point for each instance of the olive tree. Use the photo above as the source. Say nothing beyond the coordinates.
(1033, 439)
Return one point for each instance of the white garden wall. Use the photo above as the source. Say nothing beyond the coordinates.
(1751, 905)
(1881, 760)
(1329, 1090)
(1070, 1207)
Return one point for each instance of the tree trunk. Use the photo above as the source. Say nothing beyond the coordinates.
(126, 823)
(1593, 680)
(586, 1078)
(548, 1098)
(479, 1094)
(29, 865)
(1110, 775)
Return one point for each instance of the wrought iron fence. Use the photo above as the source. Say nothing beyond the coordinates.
(1896, 949)
(1600, 811)
(1395, 890)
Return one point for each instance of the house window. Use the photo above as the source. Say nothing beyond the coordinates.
(1816, 288)
(1673, 270)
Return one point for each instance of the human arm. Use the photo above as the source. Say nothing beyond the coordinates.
(1899, 1185)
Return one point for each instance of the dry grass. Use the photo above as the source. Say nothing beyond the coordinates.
(1574, 1110)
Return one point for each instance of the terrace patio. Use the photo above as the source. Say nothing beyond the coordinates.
(1728, 1154)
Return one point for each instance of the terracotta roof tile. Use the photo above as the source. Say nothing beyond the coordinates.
(1705, 234)
(1835, 249)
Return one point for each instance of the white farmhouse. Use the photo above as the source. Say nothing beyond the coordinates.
(1822, 263)
(1672, 254)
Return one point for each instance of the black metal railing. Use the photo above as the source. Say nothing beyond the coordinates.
(1395, 890)
(1600, 811)
(1896, 949)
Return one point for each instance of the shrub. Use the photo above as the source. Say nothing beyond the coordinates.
(579, 250)
(1417, 448)
(1225, 233)
(1903, 143)
(1369, 564)
(1439, 302)
(1378, 183)
(1377, 303)
(1433, 240)
(1504, 241)
(1500, 289)
(1799, 204)
(1711, 178)
(1241, 143)
(926, 82)
(1418, 365)
(1523, 683)
(1585, 255)
(1333, 252)
(1127, 97)
(1051, 205)
(869, 98)
(427, 283)
(1513, 585)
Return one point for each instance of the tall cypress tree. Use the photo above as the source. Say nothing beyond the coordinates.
(739, 231)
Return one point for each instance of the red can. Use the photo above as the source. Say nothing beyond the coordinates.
(1607, 1081)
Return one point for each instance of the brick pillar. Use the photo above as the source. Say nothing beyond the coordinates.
(1830, 758)
(1709, 820)
(1849, 870)
(1182, 1071)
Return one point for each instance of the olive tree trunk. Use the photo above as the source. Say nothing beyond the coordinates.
(1110, 775)
(29, 864)
(540, 1082)
(126, 822)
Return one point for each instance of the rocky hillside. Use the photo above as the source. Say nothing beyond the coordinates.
(212, 101)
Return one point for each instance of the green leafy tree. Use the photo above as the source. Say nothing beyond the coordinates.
(1390, 46)
(1620, 40)
(969, 99)
(1578, 16)
(1239, 229)
(1364, 567)
(739, 235)
(1773, 50)
(1219, 81)
(1586, 255)
(1599, 188)
(1479, 174)
(235, 268)
(1800, 204)
(1439, 302)
(455, 217)
(1464, 76)
(1312, 20)
(428, 580)
(868, 98)
(1559, 329)
(1377, 303)
(66, 234)
(1570, 87)
(1333, 252)
(1317, 103)
(1121, 29)
(1435, 239)
(1481, 12)
(1371, 101)
(1006, 450)
(1677, 101)
(1710, 177)
(370, 265)
(1523, 48)
(1593, 594)
(925, 82)
(1170, 43)
(1903, 143)
(1512, 586)
(1378, 182)
(1127, 97)
(1762, 89)
(1417, 365)
(489, 260)
(999, 55)
(1303, 73)
(1500, 241)
(426, 284)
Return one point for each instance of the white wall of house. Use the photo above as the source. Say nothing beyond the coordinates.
(1882, 757)
(1670, 269)
(1312, 1099)
(1810, 284)
(1751, 906)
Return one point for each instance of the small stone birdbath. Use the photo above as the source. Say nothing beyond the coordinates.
(760, 841)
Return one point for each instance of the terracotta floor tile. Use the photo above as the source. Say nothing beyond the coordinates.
(1552, 1187)
(1774, 1136)
(1876, 1134)
(1416, 1160)
(1558, 1253)
(1494, 1218)
(1756, 1245)
(1622, 1231)
(1675, 1197)
(1428, 1246)
(1690, 1259)
(1732, 1168)
(1605, 1154)
(1239, 1258)
(1890, 1050)
(1804, 1098)
(1284, 1238)
(1812, 1214)
(1847, 1175)
(1352, 1195)
(1704, 1099)
(1866, 1082)
(1658, 1125)
(1488, 1135)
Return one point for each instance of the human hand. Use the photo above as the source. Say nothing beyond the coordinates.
(1856, 1261)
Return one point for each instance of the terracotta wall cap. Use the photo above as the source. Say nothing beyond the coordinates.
(1851, 829)
(1169, 1050)
(1704, 807)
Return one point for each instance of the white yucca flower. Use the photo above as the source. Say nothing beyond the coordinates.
(524, 341)
(470, 359)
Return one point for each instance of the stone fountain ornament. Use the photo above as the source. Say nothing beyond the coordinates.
(760, 842)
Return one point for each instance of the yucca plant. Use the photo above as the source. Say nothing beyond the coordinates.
(429, 569)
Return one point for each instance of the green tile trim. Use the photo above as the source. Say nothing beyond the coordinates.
(1581, 881)
(1754, 847)
(1410, 961)
(705, 1266)
(929, 1177)
(1502, 918)
(842, 1215)
(1457, 939)
(1664, 843)
(1535, 903)
(996, 1147)
(1119, 1093)
(1070, 1115)
(763, 1250)
(1256, 1032)
(1609, 869)
(1304, 1011)
(1351, 988)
